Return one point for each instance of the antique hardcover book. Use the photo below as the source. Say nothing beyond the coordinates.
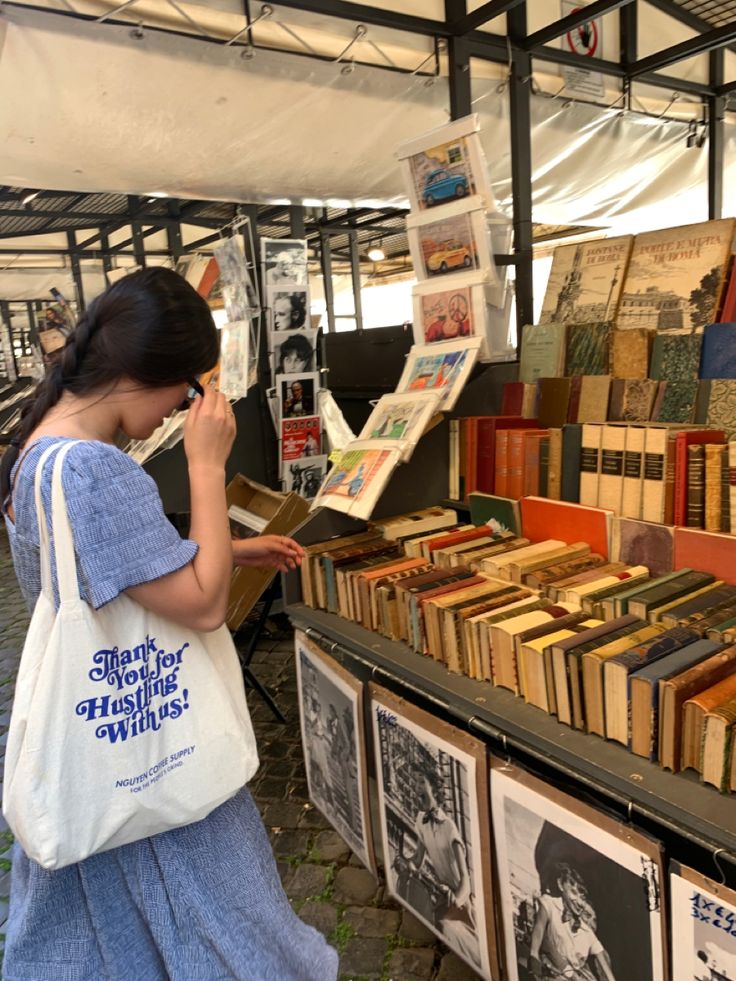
(588, 348)
(602, 602)
(718, 745)
(675, 691)
(617, 671)
(571, 522)
(630, 353)
(543, 578)
(571, 453)
(416, 522)
(644, 687)
(593, 399)
(560, 619)
(716, 404)
(481, 629)
(586, 640)
(536, 680)
(718, 359)
(611, 480)
(694, 711)
(516, 570)
(676, 357)
(685, 581)
(542, 351)
(501, 640)
(492, 566)
(699, 604)
(675, 401)
(675, 277)
(414, 584)
(632, 399)
(554, 471)
(653, 500)
(534, 445)
(500, 513)
(695, 508)
(643, 543)
(591, 668)
(683, 441)
(633, 471)
(725, 490)
(460, 634)
(554, 398)
(713, 486)
(585, 281)
(590, 464)
(309, 569)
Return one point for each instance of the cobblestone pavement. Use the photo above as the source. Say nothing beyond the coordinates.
(377, 939)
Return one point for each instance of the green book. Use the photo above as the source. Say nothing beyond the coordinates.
(542, 352)
(655, 596)
(621, 602)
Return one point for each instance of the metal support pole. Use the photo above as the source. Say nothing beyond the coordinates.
(10, 352)
(629, 33)
(296, 222)
(173, 232)
(71, 238)
(716, 139)
(326, 259)
(355, 275)
(105, 246)
(521, 166)
(459, 63)
(139, 249)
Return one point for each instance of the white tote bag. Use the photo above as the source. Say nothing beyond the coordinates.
(124, 723)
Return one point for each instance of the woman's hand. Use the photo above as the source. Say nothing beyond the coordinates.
(268, 552)
(209, 431)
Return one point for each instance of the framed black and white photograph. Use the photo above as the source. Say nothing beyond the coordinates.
(580, 893)
(293, 351)
(433, 805)
(288, 308)
(304, 475)
(703, 927)
(297, 394)
(333, 737)
(284, 261)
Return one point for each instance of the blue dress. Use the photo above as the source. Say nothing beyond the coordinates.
(200, 903)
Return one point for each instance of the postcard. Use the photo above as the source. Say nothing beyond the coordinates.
(297, 393)
(358, 478)
(293, 351)
(287, 307)
(304, 475)
(400, 420)
(301, 437)
(454, 238)
(440, 367)
(446, 164)
(284, 261)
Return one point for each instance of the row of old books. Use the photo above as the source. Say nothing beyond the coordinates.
(605, 646)
(667, 473)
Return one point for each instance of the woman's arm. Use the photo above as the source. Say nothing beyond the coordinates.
(196, 595)
(462, 894)
(538, 931)
(603, 966)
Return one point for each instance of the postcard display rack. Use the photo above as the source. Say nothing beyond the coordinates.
(461, 307)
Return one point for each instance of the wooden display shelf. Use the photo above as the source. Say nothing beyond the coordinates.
(677, 801)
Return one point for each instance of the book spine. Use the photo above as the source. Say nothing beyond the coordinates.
(532, 451)
(612, 467)
(633, 469)
(681, 479)
(462, 458)
(543, 489)
(573, 405)
(732, 485)
(713, 457)
(725, 491)
(590, 464)
(453, 489)
(501, 480)
(515, 480)
(695, 513)
(652, 500)
(554, 477)
(571, 452)
(670, 457)
(486, 455)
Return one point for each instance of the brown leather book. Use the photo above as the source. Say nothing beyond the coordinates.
(718, 728)
(713, 484)
(695, 514)
(386, 601)
(694, 711)
(543, 577)
(365, 583)
(421, 584)
(554, 400)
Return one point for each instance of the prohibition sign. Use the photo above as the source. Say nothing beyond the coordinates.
(584, 38)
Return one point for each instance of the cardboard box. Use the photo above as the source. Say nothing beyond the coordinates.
(283, 513)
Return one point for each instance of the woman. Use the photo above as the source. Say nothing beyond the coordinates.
(202, 902)
(296, 354)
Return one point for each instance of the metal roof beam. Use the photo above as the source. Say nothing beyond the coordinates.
(489, 11)
(361, 13)
(710, 41)
(573, 20)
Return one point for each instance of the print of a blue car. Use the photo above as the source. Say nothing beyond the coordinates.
(441, 185)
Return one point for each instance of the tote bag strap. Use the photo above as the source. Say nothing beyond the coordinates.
(66, 568)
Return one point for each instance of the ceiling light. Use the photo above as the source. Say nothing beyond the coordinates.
(376, 254)
(30, 197)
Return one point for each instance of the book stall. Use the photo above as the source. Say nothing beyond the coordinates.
(515, 619)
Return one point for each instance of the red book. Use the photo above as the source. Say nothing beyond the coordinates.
(456, 538)
(682, 441)
(513, 399)
(707, 551)
(488, 428)
(517, 460)
(532, 449)
(501, 479)
(542, 518)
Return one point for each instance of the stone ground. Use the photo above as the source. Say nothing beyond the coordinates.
(377, 939)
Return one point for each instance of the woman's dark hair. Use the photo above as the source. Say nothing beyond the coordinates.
(151, 326)
(296, 344)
